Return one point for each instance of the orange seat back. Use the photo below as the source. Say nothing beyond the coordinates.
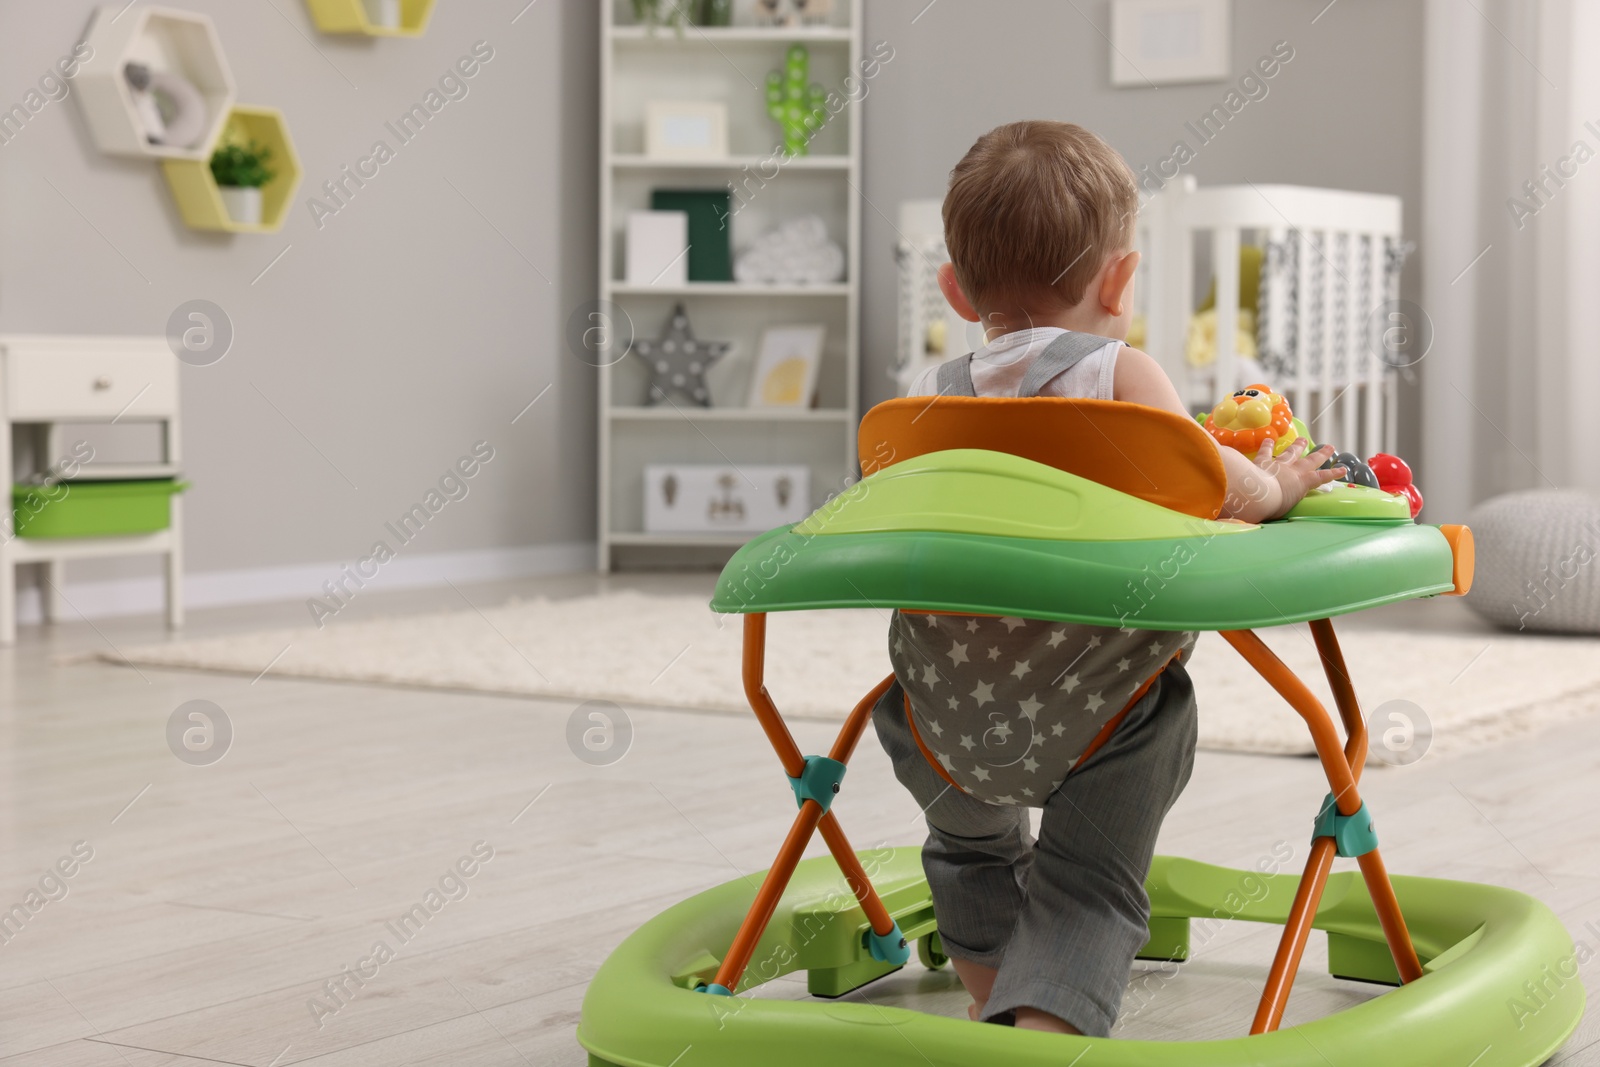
(1146, 452)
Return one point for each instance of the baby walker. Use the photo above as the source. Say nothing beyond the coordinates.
(1074, 510)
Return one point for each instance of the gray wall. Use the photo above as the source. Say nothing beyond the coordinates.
(1345, 113)
(410, 325)
(406, 328)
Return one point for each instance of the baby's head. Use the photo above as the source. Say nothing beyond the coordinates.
(1039, 221)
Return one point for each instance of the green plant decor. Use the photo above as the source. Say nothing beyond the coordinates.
(796, 104)
(648, 13)
(243, 165)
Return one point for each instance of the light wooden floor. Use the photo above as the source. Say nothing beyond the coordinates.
(220, 899)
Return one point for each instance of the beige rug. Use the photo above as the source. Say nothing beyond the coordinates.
(672, 652)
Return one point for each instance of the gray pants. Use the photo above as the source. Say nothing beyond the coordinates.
(1061, 918)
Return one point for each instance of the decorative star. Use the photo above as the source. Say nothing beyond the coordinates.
(1003, 730)
(1011, 624)
(1056, 637)
(1094, 642)
(953, 703)
(1007, 799)
(678, 361)
(1070, 682)
(1020, 669)
(972, 626)
(966, 742)
(1030, 765)
(931, 620)
(1124, 663)
(1155, 648)
(944, 761)
(994, 653)
(958, 653)
(1058, 729)
(1094, 702)
(984, 694)
(938, 731)
(980, 773)
(1030, 708)
(930, 676)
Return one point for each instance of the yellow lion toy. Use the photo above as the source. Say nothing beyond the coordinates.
(1250, 416)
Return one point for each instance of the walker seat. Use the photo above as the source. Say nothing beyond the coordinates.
(1103, 513)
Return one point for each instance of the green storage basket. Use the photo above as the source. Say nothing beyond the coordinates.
(94, 509)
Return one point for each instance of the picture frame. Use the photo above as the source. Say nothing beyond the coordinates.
(1169, 42)
(685, 129)
(784, 374)
(657, 249)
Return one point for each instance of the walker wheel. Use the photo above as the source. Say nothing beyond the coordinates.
(928, 951)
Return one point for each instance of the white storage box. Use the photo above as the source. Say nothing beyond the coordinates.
(720, 499)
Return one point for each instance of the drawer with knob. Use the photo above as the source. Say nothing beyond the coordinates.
(133, 383)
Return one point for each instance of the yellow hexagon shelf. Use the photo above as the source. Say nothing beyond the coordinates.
(199, 197)
(375, 18)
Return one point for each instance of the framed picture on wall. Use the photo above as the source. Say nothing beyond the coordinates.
(785, 372)
(1164, 42)
(685, 129)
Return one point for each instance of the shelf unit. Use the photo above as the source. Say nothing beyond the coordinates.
(729, 65)
(179, 42)
(198, 196)
(49, 383)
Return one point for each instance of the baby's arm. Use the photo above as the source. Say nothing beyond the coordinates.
(1257, 491)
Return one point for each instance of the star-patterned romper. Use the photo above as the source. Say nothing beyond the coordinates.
(991, 716)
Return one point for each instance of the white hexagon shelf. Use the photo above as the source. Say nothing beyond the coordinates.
(186, 99)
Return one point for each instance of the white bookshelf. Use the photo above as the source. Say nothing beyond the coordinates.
(726, 64)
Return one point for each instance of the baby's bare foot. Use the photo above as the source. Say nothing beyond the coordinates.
(974, 1011)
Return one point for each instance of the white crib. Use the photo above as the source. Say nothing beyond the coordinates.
(1330, 277)
(1331, 270)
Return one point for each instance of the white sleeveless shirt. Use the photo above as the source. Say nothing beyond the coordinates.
(998, 367)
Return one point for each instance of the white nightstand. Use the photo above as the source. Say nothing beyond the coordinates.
(45, 381)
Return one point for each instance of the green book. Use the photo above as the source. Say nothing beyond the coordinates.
(710, 246)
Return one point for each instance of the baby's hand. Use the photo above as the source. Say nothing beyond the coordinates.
(1296, 472)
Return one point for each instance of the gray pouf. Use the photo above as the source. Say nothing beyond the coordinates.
(1538, 561)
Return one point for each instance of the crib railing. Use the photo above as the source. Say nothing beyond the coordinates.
(1328, 280)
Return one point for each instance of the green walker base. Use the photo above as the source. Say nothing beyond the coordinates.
(1483, 946)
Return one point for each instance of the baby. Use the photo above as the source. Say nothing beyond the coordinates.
(992, 716)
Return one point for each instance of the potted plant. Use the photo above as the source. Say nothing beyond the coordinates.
(241, 170)
(648, 14)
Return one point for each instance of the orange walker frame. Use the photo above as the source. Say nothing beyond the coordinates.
(1342, 765)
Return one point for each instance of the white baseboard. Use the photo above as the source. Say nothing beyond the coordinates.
(143, 596)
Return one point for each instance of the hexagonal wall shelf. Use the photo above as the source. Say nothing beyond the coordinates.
(198, 195)
(186, 67)
(368, 16)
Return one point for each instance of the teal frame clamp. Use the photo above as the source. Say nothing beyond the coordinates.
(819, 781)
(1353, 835)
(890, 947)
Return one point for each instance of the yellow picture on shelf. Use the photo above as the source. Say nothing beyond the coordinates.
(785, 373)
(784, 385)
